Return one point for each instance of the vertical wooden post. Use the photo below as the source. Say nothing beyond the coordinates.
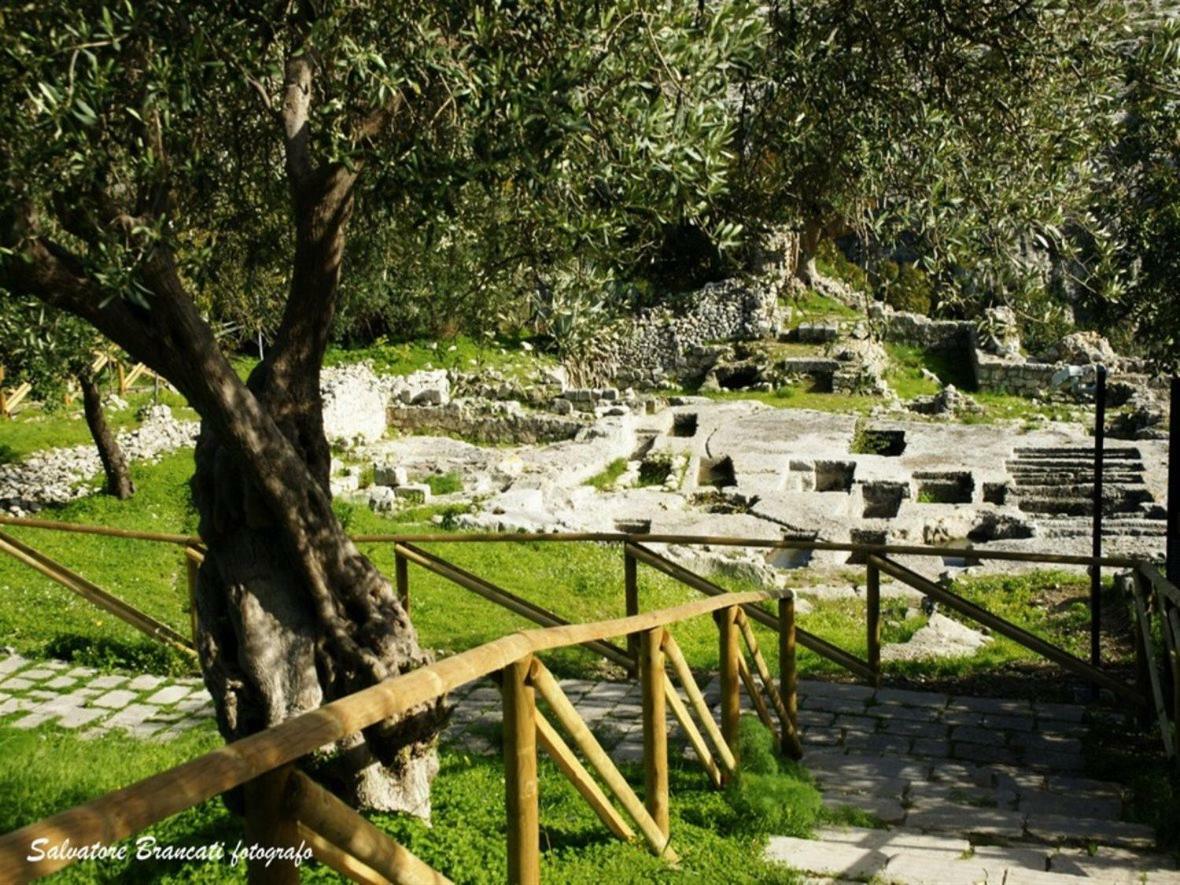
(122, 377)
(631, 601)
(520, 773)
(873, 621)
(788, 680)
(3, 398)
(192, 565)
(401, 570)
(268, 825)
(731, 685)
(655, 727)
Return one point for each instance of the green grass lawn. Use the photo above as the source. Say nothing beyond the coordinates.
(463, 353)
(719, 836)
(811, 306)
(579, 581)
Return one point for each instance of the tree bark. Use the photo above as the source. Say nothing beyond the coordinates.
(809, 238)
(114, 465)
(290, 614)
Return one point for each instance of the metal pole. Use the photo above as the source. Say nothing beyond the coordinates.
(1173, 548)
(1095, 569)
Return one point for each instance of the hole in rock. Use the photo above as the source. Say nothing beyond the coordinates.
(717, 472)
(945, 488)
(995, 492)
(792, 557)
(883, 499)
(739, 376)
(633, 526)
(834, 476)
(684, 424)
(890, 443)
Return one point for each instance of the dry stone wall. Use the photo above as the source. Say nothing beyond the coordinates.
(660, 343)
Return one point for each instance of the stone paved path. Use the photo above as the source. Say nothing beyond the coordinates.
(969, 789)
(34, 693)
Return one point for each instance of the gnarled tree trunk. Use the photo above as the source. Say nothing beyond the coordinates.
(114, 465)
(290, 615)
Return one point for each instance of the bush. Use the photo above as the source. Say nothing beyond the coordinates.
(832, 262)
(905, 287)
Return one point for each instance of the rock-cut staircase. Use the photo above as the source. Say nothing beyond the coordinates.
(1057, 486)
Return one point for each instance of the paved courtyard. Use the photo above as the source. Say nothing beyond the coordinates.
(967, 790)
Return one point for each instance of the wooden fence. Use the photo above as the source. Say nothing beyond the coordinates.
(12, 398)
(284, 805)
(344, 841)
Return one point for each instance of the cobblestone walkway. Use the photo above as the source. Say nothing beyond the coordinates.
(969, 789)
(34, 693)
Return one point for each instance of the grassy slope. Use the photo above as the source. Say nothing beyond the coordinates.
(461, 352)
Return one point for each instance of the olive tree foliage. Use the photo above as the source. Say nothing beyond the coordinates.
(621, 146)
(960, 128)
(157, 157)
(1132, 263)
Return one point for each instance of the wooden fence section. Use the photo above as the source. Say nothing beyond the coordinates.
(1152, 686)
(281, 803)
(1160, 600)
(10, 399)
(1157, 608)
(94, 594)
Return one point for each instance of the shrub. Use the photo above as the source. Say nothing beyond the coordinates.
(904, 286)
(832, 262)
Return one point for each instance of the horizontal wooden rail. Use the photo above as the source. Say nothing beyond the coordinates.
(620, 538)
(108, 531)
(502, 597)
(810, 641)
(1007, 628)
(94, 594)
(118, 815)
(762, 543)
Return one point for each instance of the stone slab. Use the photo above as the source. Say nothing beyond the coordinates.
(825, 858)
(1057, 828)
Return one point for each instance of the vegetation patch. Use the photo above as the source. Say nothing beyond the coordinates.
(445, 483)
(606, 478)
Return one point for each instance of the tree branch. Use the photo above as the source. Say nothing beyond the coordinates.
(294, 116)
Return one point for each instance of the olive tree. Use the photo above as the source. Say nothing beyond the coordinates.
(48, 350)
(963, 127)
(142, 146)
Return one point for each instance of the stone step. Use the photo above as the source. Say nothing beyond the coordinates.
(1080, 473)
(908, 857)
(1129, 491)
(1075, 451)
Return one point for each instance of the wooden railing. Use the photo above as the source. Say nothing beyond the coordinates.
(11, 399)
(1157, 606)
(878, 558)
(284, 805)
(346, 842)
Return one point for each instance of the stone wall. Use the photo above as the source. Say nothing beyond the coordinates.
(994, 372)
(920, 331)
(660, 343)
(495, 423)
